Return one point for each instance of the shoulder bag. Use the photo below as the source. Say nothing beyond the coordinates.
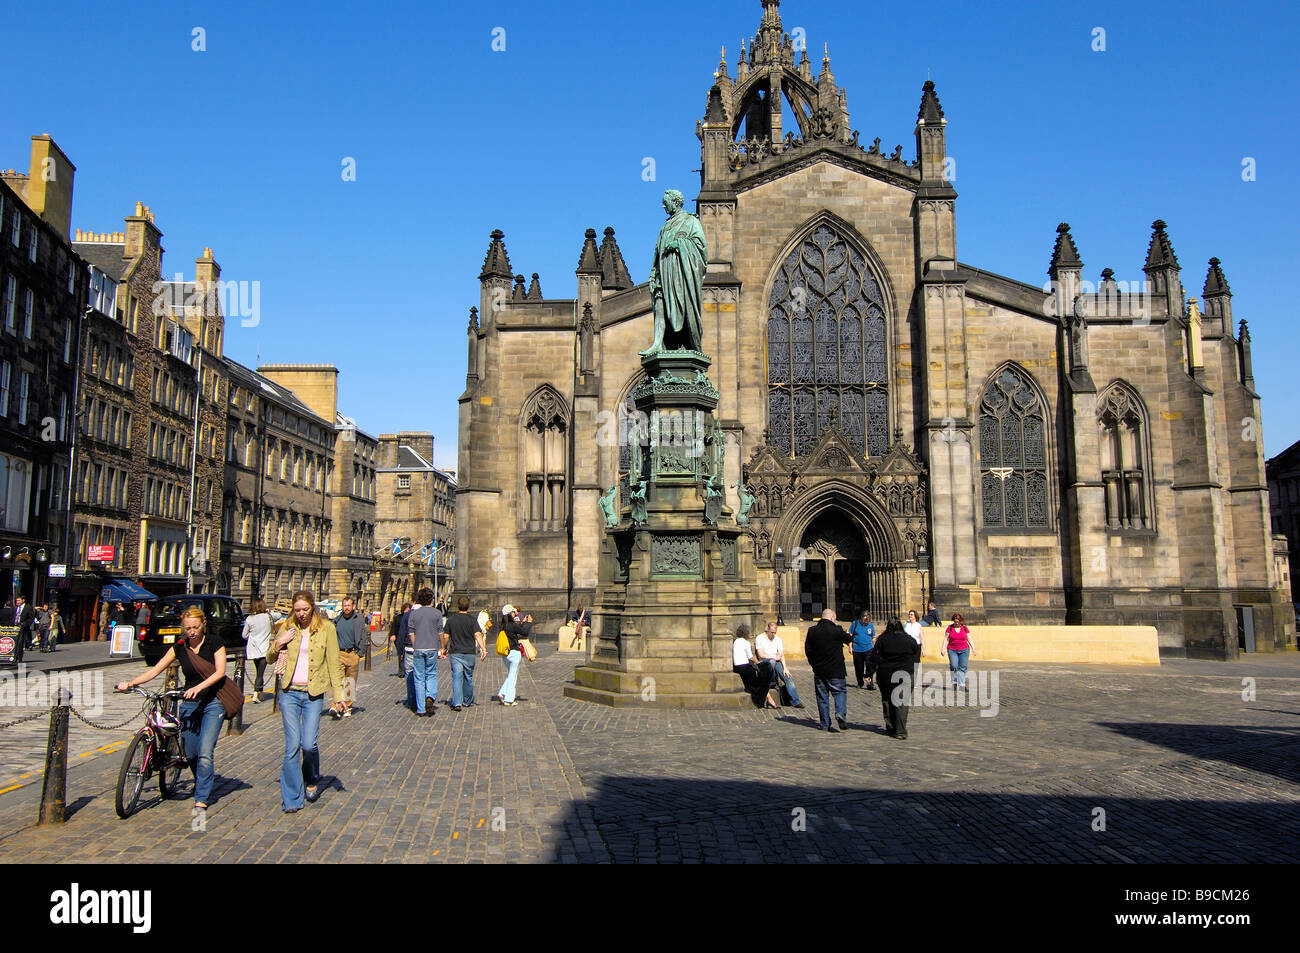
(232, 699)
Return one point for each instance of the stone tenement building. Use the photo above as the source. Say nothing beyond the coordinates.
(141, 466)
(416, 506)
(195, 312)
(350, 560)
(1072, 456)
(42, 285)
(290, 522)
(1284, 502)
(276, 534)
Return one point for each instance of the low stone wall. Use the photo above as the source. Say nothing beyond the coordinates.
(1077, 644)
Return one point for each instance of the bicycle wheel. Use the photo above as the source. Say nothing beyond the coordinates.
(134, 772)
(173, 763)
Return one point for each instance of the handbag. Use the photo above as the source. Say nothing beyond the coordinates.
(526, 647)
(503, 643)
(231, 698)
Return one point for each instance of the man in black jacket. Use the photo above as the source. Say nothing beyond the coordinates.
(24, 619)
(893, 660)
(824, 649)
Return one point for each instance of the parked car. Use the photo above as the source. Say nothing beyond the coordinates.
(225, 621)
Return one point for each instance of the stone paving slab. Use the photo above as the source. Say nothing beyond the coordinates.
(398, 789)
(1183, 768)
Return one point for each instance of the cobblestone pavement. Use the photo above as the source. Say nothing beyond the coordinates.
(1087, 764)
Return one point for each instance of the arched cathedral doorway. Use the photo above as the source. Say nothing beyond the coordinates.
(845, 568)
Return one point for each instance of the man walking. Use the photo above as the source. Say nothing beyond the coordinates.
(425, 625)
(824, 649)
(42, 627)
(351, 630)
(396, 635)
(461, 639)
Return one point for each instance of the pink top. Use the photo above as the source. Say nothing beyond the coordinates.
(957, 635)
(300, 667)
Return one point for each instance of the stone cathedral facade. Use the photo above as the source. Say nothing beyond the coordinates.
(911, 426)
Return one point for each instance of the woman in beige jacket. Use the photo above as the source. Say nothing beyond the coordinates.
(305, 653)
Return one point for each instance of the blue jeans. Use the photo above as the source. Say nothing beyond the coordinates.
(462, 667)
(789, 683)
(410, 683)
(426, 677)
(826, 687)
(301, 715)
(957, 665)
(507, 692)
(199, 730)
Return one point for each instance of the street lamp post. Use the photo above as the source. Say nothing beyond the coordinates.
(923, 567)
(778, 563)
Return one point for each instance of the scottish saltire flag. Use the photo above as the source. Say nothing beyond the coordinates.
(397, 546)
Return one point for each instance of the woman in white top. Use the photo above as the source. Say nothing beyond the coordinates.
(757, 676)
(913, 625)
(257, 632)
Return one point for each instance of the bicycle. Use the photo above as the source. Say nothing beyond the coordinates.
(155, 747)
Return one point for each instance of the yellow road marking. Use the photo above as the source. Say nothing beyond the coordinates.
(27, 775)
(455, 835)
(12, 787)
(480, 823)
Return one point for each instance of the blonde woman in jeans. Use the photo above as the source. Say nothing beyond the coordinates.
(306, 658)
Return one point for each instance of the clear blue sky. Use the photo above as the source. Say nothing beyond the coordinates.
(240, 148)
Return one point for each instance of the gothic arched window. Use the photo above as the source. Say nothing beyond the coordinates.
(1013, 453)
(546, 424)
(826, 348)
(1123, 454)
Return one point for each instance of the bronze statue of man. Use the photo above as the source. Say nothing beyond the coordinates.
(677, 279)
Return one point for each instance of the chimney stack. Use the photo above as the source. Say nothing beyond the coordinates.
(49, 185)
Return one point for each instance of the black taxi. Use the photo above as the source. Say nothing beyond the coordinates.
(225, 621)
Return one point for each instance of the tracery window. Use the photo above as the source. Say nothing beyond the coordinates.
(826, 348)
(1119, 418)
(546, 425)
(1013, 453)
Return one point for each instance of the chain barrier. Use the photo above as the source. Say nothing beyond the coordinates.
(86, 721)
(10, 724)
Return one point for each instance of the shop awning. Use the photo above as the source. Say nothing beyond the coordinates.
(117, 589)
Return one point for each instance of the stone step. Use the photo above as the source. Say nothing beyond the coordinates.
(715, 701)
(657, 682)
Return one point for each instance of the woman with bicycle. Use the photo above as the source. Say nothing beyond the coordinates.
(305, 654)
(201, 712)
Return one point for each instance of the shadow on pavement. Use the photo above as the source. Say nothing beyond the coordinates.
(1270, 750)
(653, 820)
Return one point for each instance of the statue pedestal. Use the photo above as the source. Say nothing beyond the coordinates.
(673, 586)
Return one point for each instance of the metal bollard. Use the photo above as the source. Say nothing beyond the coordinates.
(236, 724)
(54, 789)
(367, 666)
